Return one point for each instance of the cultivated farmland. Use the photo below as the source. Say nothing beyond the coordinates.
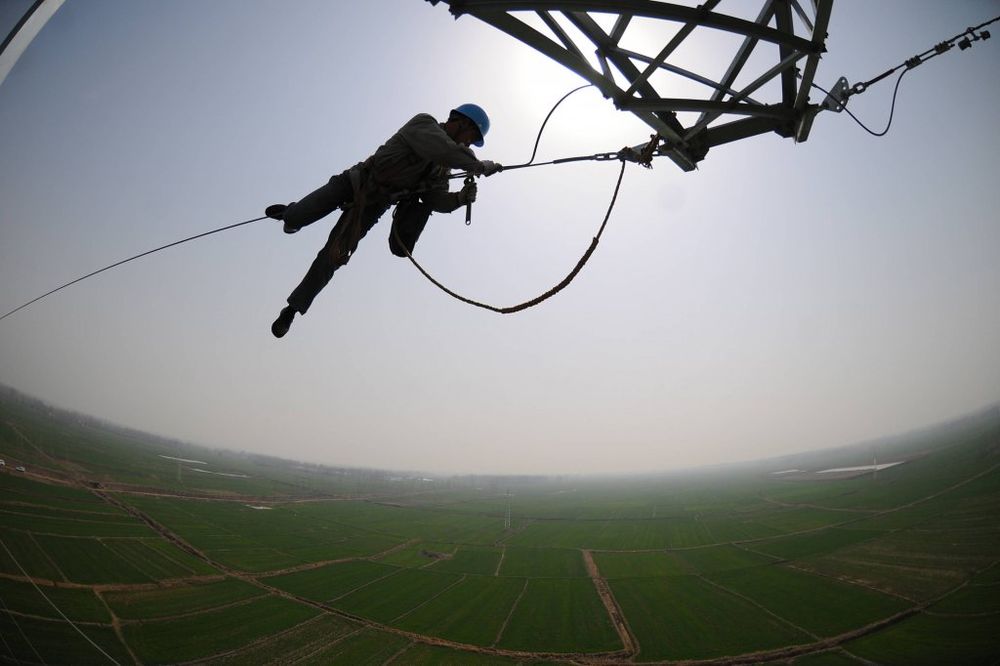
(108, 550)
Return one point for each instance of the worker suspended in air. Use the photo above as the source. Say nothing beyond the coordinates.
(409, 170)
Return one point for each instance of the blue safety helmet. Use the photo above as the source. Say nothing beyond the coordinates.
(475, 113)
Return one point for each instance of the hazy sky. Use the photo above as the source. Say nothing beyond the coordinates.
(783, 297)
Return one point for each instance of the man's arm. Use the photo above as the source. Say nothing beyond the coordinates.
(426, 138)
(442, 201)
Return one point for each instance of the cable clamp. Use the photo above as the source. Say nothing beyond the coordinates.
(836, 99)
(642, 155)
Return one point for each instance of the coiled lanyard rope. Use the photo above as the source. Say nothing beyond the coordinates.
(538, 299)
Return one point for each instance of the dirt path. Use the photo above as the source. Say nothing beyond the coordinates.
(117, 626)
(503, 627)
(503, 553)
(302, 567)
(611, 605)
(322, 563)
(116, 587)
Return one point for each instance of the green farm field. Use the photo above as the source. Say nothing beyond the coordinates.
(110, 552)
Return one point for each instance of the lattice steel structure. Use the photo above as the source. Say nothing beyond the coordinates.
(772, 52)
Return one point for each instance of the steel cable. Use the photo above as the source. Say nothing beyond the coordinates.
(125, 261)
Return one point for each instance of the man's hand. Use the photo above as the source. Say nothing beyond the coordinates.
(467, 194)
(490, 167)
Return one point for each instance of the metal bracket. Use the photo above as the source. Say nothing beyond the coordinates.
(837, 99)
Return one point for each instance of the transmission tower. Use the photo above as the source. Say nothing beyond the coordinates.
(765, 42)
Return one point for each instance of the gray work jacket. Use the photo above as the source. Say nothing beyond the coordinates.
(417, 157)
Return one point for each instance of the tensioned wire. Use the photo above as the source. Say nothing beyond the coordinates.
(20, 630)
(125, 261)
(51, 603)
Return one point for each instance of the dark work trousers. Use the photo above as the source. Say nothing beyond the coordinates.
(409, 219)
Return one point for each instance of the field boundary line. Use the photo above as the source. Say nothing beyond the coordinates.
(398, 653)
(897, 567)
(784, 560)
(363, 585)
(69, 519)
(31, 535)
(115, 587)
(503, 553)
(980, 614)
(510, 614)
(3, 640)
(390, 551)
(78, 537)
(852, 581)
(777, 559)
(21, 631)
(35, 505)
(757, 604)
(166, 583)
(138, 567)
(323, 645)
(177, 616)
(42, 618)
(807, 505)
(167, 557)
(249, 646)
(430, 599)
(307, 648)
(117, 627)
(308, 566)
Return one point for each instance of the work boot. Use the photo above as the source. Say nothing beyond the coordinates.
(283, 322)
(277, 212)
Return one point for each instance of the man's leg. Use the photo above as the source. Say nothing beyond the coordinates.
(319, 203)
(408, 221)
(342, 242)
(332, 256)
